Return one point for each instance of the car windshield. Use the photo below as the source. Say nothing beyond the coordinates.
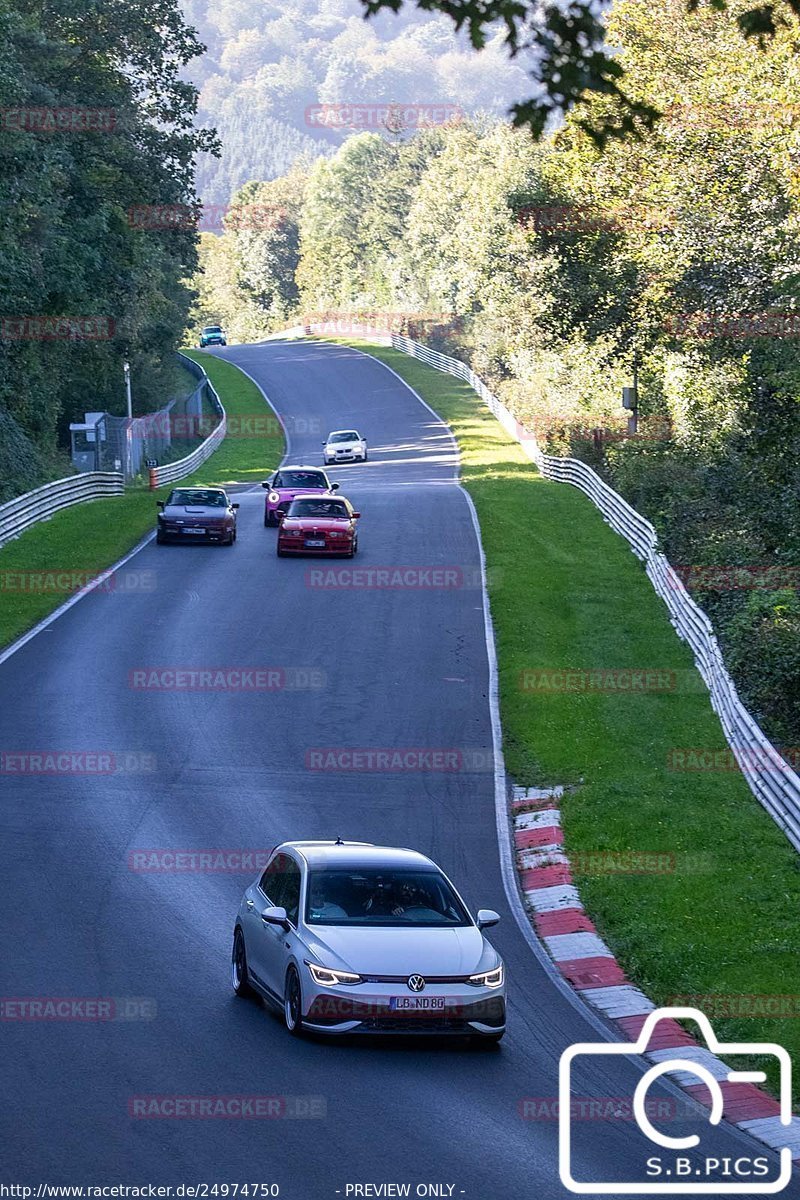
(212, 329)
(300, 479)
(372, 896)
(318, 508)
(198, 496)
(347, 436)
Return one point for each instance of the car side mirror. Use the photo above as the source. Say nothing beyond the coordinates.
(275, 916)
(334, 487)
(234, 506)
(266, 484)
(159, 503)
(487, 917)
(356, 516)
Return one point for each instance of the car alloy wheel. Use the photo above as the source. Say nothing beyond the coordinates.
(239, 980)
(293, 1003)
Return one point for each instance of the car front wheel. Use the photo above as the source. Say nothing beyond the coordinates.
(239, 980)
(293, 1003)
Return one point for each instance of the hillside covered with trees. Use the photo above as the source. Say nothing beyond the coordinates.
(274, 73)
(553, 268)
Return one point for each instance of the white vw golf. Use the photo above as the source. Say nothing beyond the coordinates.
(347, 937)
(344, 445)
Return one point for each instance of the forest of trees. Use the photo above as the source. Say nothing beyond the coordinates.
(270, 62)
(95, 124)
(558, 266)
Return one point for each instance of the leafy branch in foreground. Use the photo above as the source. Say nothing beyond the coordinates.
(567, 44)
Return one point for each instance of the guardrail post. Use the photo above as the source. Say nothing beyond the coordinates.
(153, 479)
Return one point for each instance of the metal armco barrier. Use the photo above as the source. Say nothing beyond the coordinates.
(20, 513)
(173, 471)
(771, 779)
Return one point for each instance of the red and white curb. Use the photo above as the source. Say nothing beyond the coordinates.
(586, 962)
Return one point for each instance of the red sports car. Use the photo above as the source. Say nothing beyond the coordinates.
(318, 524)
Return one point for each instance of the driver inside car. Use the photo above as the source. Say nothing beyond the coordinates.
(322, 908)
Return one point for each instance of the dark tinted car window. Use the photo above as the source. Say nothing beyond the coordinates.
(272, 881)
(198, 496)
(299, 479)
(318, 508)
(291, 890)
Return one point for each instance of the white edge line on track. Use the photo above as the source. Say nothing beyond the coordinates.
(503, 825)
(47, 621)
(67, 605)
(504, 834)
(507, 868)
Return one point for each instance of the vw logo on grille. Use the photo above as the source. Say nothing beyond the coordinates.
(416, 983)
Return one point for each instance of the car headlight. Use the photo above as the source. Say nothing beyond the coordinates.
(273, 497)
(335, 533)
(490, 979)
(293, 532)
(327, 978)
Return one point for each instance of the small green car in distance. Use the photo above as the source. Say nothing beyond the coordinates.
(213, 335)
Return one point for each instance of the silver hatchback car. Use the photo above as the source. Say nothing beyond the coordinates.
(347, 937)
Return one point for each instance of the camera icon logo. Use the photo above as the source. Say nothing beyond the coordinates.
(716, 1186)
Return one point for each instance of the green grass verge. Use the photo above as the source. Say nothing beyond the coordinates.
(83, 540)
(567, 594)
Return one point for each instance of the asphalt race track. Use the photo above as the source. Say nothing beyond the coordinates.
(369, 668)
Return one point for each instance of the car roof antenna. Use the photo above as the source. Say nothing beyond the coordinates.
(338, 842)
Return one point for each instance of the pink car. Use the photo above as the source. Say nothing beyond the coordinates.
(288, 482)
